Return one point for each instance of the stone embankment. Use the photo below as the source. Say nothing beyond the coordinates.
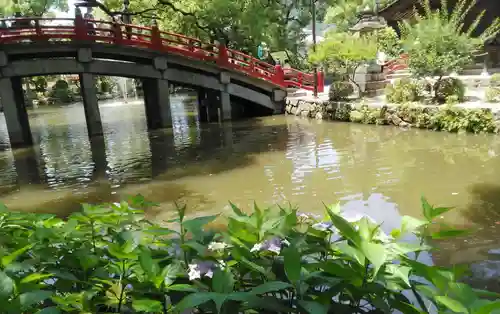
(474, 118)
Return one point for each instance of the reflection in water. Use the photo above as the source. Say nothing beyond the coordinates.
(380, 171)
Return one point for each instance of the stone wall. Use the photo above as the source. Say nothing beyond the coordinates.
(443, 117)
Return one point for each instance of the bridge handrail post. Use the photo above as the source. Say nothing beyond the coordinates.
(223, 58)
(279, 75)
(321, 81)
(156, 40)
(38, 30)
(117, 33)
(80, 28)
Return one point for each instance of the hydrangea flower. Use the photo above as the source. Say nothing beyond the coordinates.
(200, 269)
(355, 217)
(324, 226)
(307, 216)
(272, 245)
(217, 246)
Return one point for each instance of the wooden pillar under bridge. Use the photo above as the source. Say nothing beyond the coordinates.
(27, 167)
(16, 116)
(208, 106)
(157, 103)
(90, 104)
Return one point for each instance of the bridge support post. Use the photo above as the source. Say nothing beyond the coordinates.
(16, 116)
(157, 103)
(90, 104)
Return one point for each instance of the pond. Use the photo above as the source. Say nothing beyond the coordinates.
(378, 170)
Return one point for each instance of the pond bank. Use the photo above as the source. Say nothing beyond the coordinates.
(474, 117)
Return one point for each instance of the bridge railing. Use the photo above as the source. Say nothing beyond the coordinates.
(79, 29)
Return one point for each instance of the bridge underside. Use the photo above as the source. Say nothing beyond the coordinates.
(223, 94)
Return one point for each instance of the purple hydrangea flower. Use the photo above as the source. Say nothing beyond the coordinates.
(272, 245)
(200, 269)
(324, 226)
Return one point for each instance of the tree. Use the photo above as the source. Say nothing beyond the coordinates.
(344, 13)
(32, 7)
(240, 24)
(344, 52)
(438, 43)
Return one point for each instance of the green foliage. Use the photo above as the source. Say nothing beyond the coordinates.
(61, 92)
(437, 42)
(493, 90)
(110, 259)
(106, 85)
(340, 90)
(343, 53)
(345, 13)
(403, 90)
(40, 83)
(241, 24)
(449, 87)
(454, 119)
(388, 42)
(32, 7)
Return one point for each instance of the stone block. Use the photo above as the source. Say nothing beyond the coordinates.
(84, 55)
(225, 78)
(279, 94)
(160, 63)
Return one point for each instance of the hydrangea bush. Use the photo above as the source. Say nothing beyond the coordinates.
(110, 259)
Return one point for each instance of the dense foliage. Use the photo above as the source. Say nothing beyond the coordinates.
(61, 92)
(437, 42)
(448, 118)
(340, 90)
(493, 90)
(110, 259)
(32, 7)
(403, 91)
(343, 53)
(345, 13)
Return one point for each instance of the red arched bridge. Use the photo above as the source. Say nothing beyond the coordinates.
(230, 83)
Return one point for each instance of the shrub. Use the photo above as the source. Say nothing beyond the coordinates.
(61, 92)
(404, 90)
(437, 42)
(388, 42)
(40, 83)
(493, 91)
(340, 90)
(449, 87)
(110, 259)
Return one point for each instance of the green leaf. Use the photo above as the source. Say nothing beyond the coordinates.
(427, 208)
(6, 260)
(6, 285)
(451, 304)
(270, 286)
(147, 305)
(195, 225)
(35, 277)
(375, 253)
(410, 224)
(193, 300)
(169, 273)
(147, 263)
(313, 307)
(30, 298)
(117, 251)
(399, 271)
(449, 233)
(182, 287)
(352, 252)
(219, 300)
(222, 281)
(237, 211)
(292, 264)
(345, 228)
(440, 210)
(488, 308)
(49, 310)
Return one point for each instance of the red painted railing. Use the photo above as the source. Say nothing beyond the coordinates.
(393, 65)
(78, 29)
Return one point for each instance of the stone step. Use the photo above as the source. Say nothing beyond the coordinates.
(374, 92)
(396, 76)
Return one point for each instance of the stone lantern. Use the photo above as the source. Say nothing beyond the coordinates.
(369, 76)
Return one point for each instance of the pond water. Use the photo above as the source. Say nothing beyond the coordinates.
(377, 170)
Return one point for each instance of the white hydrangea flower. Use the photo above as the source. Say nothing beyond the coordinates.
(217, 246)
(201, 268)
(272, 245)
